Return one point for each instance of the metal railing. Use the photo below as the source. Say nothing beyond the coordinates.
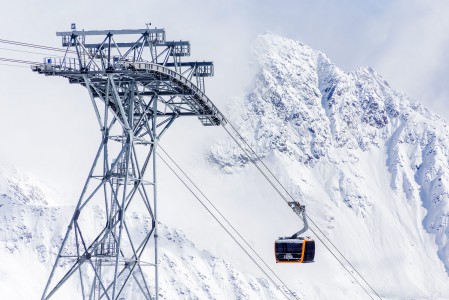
(52, 64)
(60, 63)
(158, 68)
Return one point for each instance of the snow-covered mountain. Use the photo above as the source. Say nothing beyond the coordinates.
(31, 224)
(370, 164)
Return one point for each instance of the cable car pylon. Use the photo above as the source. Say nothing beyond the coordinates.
(137, 90)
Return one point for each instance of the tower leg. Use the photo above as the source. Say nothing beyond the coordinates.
(111, 258)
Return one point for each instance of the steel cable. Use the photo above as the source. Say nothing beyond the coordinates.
(224, 227)
(224, 218)
(23, 51)
(9, 65)
(293, 199)
(21, 44)
(19, 61)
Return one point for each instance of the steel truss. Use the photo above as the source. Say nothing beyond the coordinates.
(135, 101)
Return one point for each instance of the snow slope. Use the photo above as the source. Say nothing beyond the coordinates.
(31, 227)
(370, 164)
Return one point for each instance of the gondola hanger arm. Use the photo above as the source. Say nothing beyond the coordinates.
(300, 210)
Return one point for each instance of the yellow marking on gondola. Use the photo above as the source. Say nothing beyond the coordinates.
(303, 250)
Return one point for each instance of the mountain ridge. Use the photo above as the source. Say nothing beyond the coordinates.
(304, 112)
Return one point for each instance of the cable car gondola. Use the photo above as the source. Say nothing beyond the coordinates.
(295, 249)
(299, 250)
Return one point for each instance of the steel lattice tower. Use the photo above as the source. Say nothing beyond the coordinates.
(137, 87)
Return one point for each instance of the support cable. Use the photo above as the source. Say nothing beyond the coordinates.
(23, 51)
(224, 227)
(19, 61)
(255, 163)
(224, 218)
(284, 198)
(344, 267)
(21, 44)
(9, 65)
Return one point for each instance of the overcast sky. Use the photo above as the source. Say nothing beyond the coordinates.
(47, 125)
